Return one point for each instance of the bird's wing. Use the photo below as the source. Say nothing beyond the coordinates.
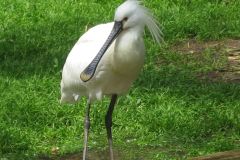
(78, 59)
(85, 50)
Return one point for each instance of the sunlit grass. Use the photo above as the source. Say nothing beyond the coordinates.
(168, 106)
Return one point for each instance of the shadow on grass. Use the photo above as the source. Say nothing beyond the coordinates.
(20, 67)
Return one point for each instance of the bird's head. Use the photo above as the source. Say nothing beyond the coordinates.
(129, 15)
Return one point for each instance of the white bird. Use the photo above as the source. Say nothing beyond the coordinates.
(106, 60)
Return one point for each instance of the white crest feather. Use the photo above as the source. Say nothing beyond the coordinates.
(152, 25)
(150, 21)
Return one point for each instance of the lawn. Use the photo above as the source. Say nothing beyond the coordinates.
(169, 113)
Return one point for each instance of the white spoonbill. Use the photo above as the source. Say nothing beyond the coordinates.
(106, 60)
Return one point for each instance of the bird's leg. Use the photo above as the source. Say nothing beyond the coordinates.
(108, 123)
(86, 129)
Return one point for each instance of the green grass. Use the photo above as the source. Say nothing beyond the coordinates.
(167, 108)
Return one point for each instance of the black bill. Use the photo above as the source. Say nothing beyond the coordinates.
(89, 71)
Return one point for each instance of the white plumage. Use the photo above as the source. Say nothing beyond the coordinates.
(116, 71)
(121, 63)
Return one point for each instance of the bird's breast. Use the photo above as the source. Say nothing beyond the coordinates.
(128, 55)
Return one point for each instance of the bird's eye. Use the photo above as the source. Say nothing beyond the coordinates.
(125, 19)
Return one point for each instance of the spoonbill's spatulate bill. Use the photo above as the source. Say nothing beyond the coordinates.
(106, 60)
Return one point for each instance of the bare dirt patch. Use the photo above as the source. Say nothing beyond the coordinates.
(231, 48)
(228, 155)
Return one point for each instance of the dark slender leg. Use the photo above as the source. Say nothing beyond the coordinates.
(108, 123)
(86, 129)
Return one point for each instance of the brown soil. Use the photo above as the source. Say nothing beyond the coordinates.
(228, 155)
(231, 72)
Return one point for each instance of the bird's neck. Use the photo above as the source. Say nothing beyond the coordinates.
(128, 55)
